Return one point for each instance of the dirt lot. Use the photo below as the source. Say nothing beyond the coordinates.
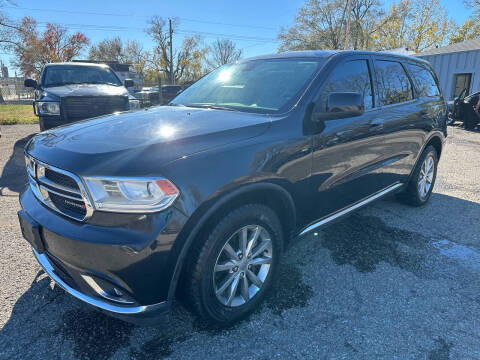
(389, 282)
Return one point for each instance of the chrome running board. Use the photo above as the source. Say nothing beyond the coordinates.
(350, 208)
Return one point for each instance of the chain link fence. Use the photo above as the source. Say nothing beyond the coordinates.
(13, 91)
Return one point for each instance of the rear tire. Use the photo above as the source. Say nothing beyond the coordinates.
(422, 181)
(240, 255)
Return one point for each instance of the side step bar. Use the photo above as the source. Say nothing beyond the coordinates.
(350, 209)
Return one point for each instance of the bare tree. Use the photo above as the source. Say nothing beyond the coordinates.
(318, 25)
(9, 31)
(130, 52)
(161, 53)
(107, 50)
(223, 51)
(323, 24)
(181, 64)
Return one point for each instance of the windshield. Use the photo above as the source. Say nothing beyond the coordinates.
(64, 75)
(260, 86)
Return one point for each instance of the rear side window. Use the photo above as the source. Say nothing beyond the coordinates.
(351, 76)
(393, 82)
(424, 81)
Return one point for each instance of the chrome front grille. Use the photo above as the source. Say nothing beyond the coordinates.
(58, 189)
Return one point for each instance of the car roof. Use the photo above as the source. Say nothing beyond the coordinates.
(325, 54)
(74, 63)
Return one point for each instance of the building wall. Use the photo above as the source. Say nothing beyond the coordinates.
(447, 65)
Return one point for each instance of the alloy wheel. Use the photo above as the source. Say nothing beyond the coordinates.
(426, 176)
(242, 265)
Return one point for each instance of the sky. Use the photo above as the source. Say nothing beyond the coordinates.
(252, 24)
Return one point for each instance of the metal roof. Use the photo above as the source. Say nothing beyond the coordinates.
(466, 45)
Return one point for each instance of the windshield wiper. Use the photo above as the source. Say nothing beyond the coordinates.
(61, 84)
(100, 83)
(210, 106)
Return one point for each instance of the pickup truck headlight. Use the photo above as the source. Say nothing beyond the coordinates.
(134, 104)
(48, 108)
(131, 194)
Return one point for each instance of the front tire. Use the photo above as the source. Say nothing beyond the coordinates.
(422, 181)
(230, 273)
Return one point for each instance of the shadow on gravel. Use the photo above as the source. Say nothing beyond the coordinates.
(441, 350)
(13, 175)
(48, 315)
(28, 322)
(95, 335)
(365, 241)
(289, 290)
(45, 321)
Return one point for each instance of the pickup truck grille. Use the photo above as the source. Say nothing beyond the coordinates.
(84, 107)
(58, 189)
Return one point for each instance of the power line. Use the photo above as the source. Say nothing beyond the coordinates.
(141, 16)
(180, 31)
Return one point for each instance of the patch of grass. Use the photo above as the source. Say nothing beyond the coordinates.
(17, 114)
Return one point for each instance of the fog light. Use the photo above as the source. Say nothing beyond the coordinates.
(107, 291)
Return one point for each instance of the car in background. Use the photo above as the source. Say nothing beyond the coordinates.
(151, 96)
(462, 109)
(73, 91)
(148, 97)
(168, 92)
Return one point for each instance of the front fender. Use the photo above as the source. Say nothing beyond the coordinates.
(206, 211)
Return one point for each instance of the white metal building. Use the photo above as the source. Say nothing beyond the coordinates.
(457, 67)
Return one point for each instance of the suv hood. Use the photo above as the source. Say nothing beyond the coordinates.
(86, 90)
(137, 143)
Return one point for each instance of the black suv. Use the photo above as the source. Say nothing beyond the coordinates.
(198, 198)
(69, 92)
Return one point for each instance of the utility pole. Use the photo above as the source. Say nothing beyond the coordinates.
(172, 78)
(347, 30)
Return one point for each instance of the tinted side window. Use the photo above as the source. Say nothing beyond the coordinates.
(424, 81)
(351, 76)
(393, 82)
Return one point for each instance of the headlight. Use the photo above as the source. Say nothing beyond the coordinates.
(131, 194)
(134, 104)
(48, 108)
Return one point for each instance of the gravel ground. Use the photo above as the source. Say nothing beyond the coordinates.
(389, 282)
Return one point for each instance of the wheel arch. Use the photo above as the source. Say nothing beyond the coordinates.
(436, 140)
(271, 194)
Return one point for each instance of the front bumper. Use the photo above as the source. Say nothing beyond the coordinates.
(50, 121)
(143, 314)
(130, 253)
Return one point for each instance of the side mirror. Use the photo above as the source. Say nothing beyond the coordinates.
(347, 104)
(30, 83)
(128, 83)
(342, 105)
